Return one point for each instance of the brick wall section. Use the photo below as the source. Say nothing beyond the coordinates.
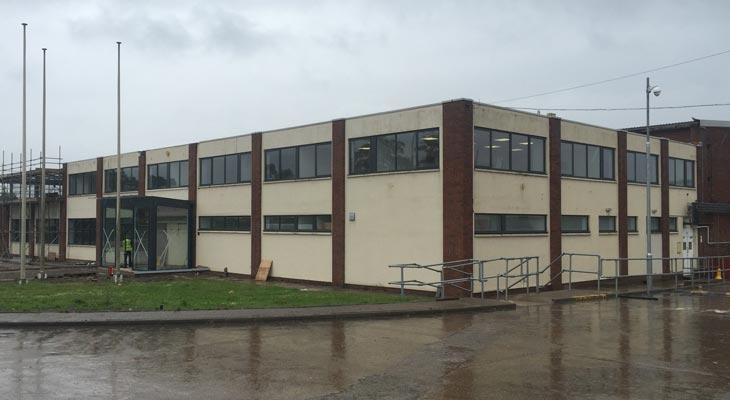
(338, 202)
(555, 182)
(193, 198)
(99, 195)
(457, 142)
(256, 161)
(664, 222)
(623, 202)
(142, 176)
(63, 219)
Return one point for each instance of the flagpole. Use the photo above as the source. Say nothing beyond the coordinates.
(43, 178)
(117, 236)
(23, 189)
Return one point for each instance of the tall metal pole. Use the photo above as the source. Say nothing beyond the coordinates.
(117, 228)
(23, 189)
(43, 177)
(649, 266)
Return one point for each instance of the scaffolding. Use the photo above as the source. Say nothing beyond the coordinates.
(11, 187)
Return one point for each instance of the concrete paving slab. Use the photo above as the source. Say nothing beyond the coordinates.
(9, 320)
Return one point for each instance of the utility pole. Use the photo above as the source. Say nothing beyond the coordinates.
(117, 239)
(42, 273)
(23, 179)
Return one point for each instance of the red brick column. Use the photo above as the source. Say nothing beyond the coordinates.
(664, 222)
(338, 202)
(99, 195)
(555, 182)
(142, 174)
(63, 220)
(193, 198)
(623, 202)
(256, 218)
(457, 143)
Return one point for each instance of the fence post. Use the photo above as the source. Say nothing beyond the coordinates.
(402, 282)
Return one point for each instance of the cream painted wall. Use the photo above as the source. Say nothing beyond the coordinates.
(177, 153)
(297, 197)
(488, 247)
(219, 250)
(128, 160)
(581, 133)
(85, 253)
(510, 121)
(510, 193)
(297, 136)
(299, 256)
(399, 216)
(234, 145)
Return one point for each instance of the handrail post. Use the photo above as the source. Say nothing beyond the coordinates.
(600, 268)
(615, 276)
(402, 282)
(691, 274)
(537, 277)
(481, 275)
(570, 271)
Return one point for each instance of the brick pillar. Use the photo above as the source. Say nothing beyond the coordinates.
(99, 195)
(555, 182)
(664, 222)
(338, 202)
(193, 198)
(63, 219)
(457, 143)
(623, 202)
(142, 174)
(256, 218)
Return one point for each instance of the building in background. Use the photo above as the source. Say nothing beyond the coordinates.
(338, 202)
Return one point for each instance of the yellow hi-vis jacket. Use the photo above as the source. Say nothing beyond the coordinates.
(127, 244)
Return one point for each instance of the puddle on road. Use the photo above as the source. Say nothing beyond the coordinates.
(716, 311)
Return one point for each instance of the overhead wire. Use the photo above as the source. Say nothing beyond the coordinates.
(622, 108)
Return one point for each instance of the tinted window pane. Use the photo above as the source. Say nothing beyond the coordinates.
(579, 160)
(174, 174)
(428, 149)
(205, 172)
(288, 163)
(487, 223)
(631, 167)
(109, 180)
(653, 169)
(324, 159)
(608, 163)
(183, 173)
(271, 224)
(231, 173)
(606, 224)
(386, 153)
(524, 223)
(307, 162)
(306, 223)
(324, 223)
(672, 224)
(500, 150)
(678, 172)
(162, 175)
(204, 223)
(574, 223)
(406, 151)
(655, 224)
(219, 168)
(272, 165)
(287, 224)
(690, 173)
(519, 152)
(246, 167)
(482, 149)
(537, 155)
(566, 158)
(640, 167)
(594, 162)
(672, 172)
(360, 156)
(244, 224)
(631, 226)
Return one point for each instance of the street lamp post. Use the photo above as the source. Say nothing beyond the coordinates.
(23, 179)
(649, 267)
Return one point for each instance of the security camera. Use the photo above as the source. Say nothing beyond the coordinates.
(657, 91)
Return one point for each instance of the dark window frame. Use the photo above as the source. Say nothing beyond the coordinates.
(150, 181)
(82, 231)
(658, 221)
(503, 225)
(110, 181)
(268, 218)
(633, 154)
(372, 156)
(636, 224)
(613, 219)
(601, 161)
(73, 183)
(689, 181)
(239, 178)
(242, 223)
(588, 224)
(530, 169)
(297, 148)
(674, 229)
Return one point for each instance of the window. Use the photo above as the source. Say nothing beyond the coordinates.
(228, 169)
(574, 224)
(509, 223)
(82, 231)
(406, 151)
(298, 223)
(51, 231)
(15, 231)
(636, 167)
(300, 162)
(130, 180)
(226, 223)
(167, 175)
(606, 223)
(673, 224)
(632, 224)
(586, 161)
(509, 151)
(655, 225)
(681, 172)
(84, 183)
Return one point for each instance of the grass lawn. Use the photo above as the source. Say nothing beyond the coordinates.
(183, 294)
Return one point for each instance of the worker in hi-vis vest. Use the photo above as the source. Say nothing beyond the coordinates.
(127, 246)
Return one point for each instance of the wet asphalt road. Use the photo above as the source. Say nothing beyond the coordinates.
(675, 348)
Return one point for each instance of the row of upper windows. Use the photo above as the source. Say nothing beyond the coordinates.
(537, 224)
(404, 151)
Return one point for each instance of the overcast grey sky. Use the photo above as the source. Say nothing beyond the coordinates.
(196, 70)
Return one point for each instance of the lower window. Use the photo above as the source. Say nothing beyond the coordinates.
(632, 224)
(82, 231)
(225, 223)
(509, 223)
(606, 223)
(298, 223)
(574, 224)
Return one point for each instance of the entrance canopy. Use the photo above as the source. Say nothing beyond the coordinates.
(160, 229)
